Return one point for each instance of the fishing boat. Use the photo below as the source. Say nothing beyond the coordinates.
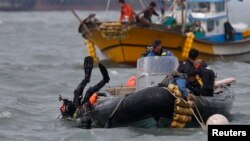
(200, 24)
(150, 105)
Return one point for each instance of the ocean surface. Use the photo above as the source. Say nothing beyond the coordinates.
(41, 56)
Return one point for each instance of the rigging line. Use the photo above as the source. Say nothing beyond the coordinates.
(142, 4)
(107, 7)
(171, 8)
(231, 12)
(199, 113)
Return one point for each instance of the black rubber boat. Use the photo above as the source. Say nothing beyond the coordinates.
(151, 105)
(157, 102)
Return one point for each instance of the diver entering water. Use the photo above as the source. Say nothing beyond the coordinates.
(69, 107)
(80, 106)
(86, 103)
(99, 85)
(88, 66)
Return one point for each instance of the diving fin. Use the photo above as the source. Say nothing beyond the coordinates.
(88, 66)
(104, 72)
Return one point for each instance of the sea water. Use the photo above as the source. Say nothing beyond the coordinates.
(41, 57)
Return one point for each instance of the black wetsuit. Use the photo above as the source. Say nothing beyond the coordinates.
(186, 66)
(79, 90)
(207, 76)
(195, 88)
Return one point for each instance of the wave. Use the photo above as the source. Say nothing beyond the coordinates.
(5, 114)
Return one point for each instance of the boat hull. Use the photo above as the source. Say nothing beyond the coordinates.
(156, 102)
(129, 49)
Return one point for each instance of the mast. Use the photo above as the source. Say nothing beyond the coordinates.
(184, 15)
(227, 10)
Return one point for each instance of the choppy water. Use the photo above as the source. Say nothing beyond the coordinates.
(40, 57)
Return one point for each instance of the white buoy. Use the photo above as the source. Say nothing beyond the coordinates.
(217, 119)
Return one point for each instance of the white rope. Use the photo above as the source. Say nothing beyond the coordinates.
(199, 114)
(107, 7)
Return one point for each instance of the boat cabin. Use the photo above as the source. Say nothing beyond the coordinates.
(209, 20)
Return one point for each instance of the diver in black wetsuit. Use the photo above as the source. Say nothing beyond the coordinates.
(69, 108)
(188, 64)
(79, 90)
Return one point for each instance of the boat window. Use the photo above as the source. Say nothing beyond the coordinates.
(220, 6)
(217, 22)
(210, 25)
(204, 6)
(192, 6)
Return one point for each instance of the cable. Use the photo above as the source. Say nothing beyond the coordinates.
(107, 7)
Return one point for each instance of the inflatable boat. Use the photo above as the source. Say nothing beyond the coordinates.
(157, 103)
(149, 105)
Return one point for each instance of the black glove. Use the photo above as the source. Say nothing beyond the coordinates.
(88, 66)
(104, 72)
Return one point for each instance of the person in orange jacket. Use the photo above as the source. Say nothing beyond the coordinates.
(127, 12)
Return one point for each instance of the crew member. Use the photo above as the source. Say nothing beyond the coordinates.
(127, 12)
(157, 50)
(188, 64)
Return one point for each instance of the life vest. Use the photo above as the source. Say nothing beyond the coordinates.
(166, 53)
(93, 99)
(199, 80)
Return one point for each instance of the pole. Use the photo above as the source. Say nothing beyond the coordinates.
(79, 19)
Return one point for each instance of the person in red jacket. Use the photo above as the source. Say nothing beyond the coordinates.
(127, 12)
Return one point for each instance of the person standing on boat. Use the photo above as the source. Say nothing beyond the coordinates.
(157, 50)
(127, 12)
(148, 13)
(188, 64)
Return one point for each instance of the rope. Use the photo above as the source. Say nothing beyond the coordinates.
(108, 123)
(59, 116)
(199, 114)
(107, 7)
(201, 99)
(201, 124)
(142, 4)
(79, 19)
(117, 107)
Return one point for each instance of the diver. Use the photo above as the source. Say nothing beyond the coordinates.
(69, 107)
(80, 106)
(207, 76)
(189, 81)
(188, 64)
